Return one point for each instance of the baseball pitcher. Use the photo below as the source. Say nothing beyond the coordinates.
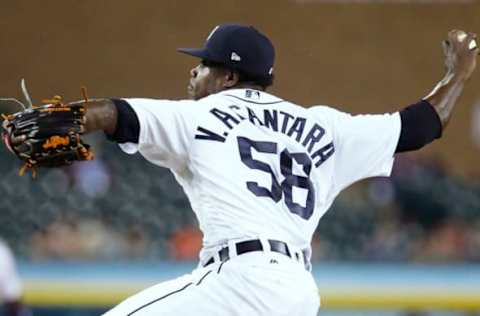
(259, 171)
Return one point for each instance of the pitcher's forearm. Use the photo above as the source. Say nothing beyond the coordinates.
(101, 115)
(461, 52)
(444, 96)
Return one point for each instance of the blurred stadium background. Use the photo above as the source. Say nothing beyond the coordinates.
(89, 235)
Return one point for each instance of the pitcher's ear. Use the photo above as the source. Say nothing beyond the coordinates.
(231, 79)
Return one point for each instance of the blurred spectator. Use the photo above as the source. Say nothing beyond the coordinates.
(92, 178)
(86, 239)
(136, 243)
(10, 285)
(421, 186)
(185, 244)
(446, 243)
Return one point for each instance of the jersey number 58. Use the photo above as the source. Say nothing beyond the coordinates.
(291, 180)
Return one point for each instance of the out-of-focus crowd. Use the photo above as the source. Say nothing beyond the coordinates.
(121, 207)
(420, 214)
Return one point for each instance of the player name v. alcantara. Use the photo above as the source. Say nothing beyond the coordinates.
(278, 121)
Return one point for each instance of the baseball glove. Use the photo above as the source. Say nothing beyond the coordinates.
(47, 135)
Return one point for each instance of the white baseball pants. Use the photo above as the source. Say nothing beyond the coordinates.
(252, 284)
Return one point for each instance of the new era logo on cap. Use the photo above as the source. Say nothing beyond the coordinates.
(235, 57)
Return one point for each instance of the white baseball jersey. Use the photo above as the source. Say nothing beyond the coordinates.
(10, 286)
(256, 166)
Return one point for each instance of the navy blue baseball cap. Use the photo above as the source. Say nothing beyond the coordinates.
(239, 47)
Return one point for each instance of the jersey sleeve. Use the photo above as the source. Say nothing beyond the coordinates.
(10, 285)
(165, 133)
(364, 145)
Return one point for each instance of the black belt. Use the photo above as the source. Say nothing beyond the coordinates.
(256, 245)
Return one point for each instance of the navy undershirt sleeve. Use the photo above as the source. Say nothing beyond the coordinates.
(128, 125)
(421, 125)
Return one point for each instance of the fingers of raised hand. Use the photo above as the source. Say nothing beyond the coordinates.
(456, 36)
(472, 42)
(446, 47)
(460, 40)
